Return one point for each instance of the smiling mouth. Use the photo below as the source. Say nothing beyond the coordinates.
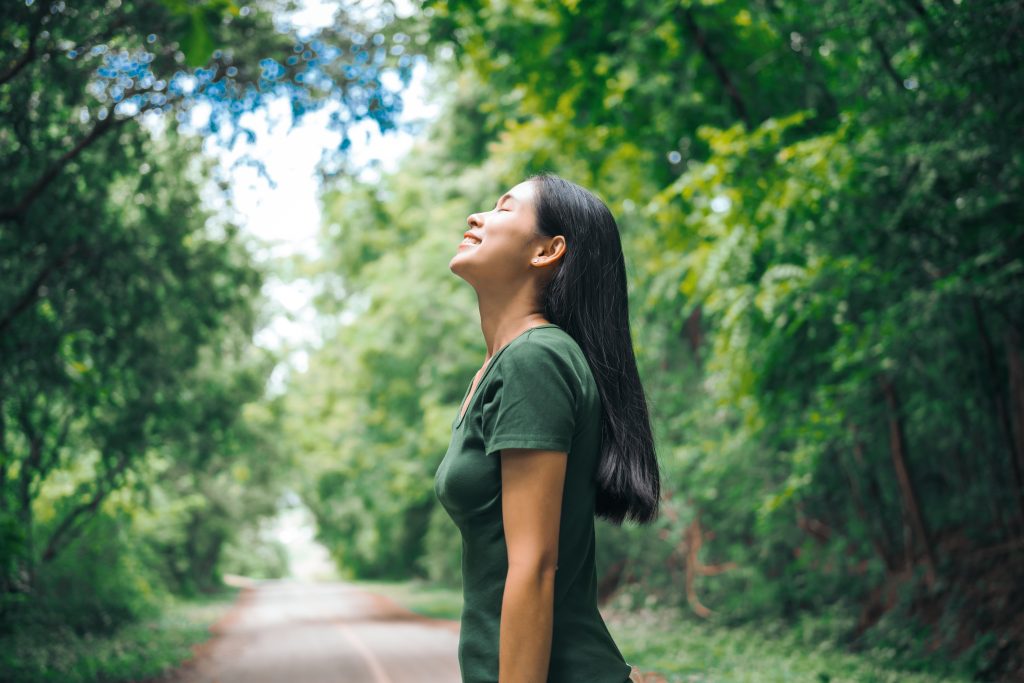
(469, 241)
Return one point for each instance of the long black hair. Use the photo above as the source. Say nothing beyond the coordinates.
(587, 298)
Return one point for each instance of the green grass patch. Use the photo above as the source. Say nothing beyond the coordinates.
(689, 651)
(134, 652)
(417, 596)
(686, 650)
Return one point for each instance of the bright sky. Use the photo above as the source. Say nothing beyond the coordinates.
(287, 214)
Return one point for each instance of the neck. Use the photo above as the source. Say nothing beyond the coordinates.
(503, 318)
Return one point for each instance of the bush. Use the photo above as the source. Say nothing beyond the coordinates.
(99, 582)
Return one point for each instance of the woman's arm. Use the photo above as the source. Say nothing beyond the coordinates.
(531, 507)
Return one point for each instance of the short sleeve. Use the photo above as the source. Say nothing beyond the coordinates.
(534, 401)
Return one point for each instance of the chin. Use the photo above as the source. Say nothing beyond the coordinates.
(462, 271)
(453, 265)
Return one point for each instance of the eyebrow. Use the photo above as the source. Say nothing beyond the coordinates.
(504, 196)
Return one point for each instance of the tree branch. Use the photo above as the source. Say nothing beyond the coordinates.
(21, 63)
(30, 52)
(31, 292)
(887, 63)
(101, 127)
(73, 524)
(30, 466)
(684, 15)
(811, 66)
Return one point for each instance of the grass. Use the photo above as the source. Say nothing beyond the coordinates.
(684, 650)
(420, 597)
(134, 652)
(687, 651)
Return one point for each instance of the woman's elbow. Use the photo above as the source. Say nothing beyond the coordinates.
(540, 567)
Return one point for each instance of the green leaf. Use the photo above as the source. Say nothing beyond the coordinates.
(197, 44)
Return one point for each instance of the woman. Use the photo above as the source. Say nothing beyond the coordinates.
(552, 430)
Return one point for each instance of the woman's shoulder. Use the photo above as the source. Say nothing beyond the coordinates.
(548, 339)
(548, 347)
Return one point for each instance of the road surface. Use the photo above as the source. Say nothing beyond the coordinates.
(304, 632)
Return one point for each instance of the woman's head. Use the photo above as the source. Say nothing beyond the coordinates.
(562, 239)
(533, 233)
(503, 249)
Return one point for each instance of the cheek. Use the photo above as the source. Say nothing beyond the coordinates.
(507, 247)
(515, 235)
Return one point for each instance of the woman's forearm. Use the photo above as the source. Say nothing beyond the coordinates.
(527, 618)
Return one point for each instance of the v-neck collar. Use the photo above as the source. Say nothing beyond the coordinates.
(466, 397)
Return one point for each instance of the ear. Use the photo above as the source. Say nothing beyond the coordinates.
(549, 252)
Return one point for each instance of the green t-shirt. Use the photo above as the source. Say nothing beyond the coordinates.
(537, 391)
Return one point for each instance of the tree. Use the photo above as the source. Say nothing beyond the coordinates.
(113, 277)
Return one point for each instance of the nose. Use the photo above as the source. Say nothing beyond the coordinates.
(474, 220)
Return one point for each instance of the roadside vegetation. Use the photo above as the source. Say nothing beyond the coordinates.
(143, 649)
(666, 640)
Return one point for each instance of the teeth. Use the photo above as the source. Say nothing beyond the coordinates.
(469, 240)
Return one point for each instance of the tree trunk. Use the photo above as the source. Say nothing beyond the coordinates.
(1016, 412)
(4, 458)
(912, 508)
(28, 468)
(884, 544)
(693, 539)
(1000, 403)
(694, 333)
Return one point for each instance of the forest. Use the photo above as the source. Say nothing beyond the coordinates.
(822, 213)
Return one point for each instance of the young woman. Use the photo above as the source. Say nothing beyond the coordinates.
(553, 430)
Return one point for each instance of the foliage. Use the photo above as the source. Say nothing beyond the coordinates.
(104, 579)
(819, 204)
(805, 651)
(254, 555)
(136, 440)
(143, 650)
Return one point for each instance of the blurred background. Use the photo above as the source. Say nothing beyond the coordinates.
(230, 343)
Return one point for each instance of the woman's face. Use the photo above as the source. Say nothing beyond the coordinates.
(502, 242)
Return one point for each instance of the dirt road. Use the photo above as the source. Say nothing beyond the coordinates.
(299, 632)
